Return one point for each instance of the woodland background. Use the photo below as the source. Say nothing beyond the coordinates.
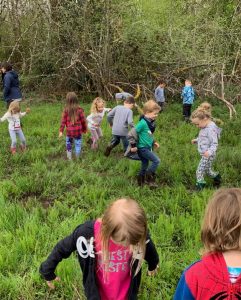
(86, 45)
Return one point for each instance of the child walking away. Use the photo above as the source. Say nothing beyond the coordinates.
(145, 129)
(120, 117)
(73, 119)
(207, 147)
(187, 95)
(218, 274)
(94, 120)
(110, 252)
(13, 116)
(159, 94)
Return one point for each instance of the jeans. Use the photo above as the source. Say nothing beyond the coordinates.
(187, 110)
(147, 155)
(116, 140)
(13, 136)
(77, 142)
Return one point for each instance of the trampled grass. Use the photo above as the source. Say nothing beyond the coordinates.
(43, 197)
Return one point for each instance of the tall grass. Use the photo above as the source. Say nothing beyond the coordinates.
(43, 197)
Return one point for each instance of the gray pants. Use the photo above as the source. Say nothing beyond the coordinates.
(96, 133)
(205, 167)
(13, 136)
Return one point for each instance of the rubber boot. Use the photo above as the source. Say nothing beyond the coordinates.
(217, 181)
(140, 180)
(200, 186)
(23, 148)
(13, 150)
(108, 150)
(151, 180)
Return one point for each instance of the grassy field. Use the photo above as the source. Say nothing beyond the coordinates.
(43, 197)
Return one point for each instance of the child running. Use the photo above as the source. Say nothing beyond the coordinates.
(73, 119)
(187, 96)
(13, 116)
(207, 142)
(94, 120)
(218, 274)
(145, 129)
(120, 117)
(110, 251)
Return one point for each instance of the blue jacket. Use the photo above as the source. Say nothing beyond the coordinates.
(11, 90)
(188, 95)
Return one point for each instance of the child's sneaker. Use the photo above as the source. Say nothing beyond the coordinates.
(200, 186)
(13, 150)
(217, 181)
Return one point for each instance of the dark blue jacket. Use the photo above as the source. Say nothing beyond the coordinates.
(11, 90)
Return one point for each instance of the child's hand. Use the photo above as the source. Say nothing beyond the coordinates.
(156, 145)
(28, 110)
(51, 283)
(60, 134)
(153, 272)
(134, 149)
(194, 141)
(206, 154)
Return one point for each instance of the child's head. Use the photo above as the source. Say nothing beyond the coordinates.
(124, 221)
(72, 105)
(162, 83)
(14, 107)
(221, 228)
(98, 105)
(205, 106)
(129, 102)
(188, 82)
(6, 66)
(201, 117)
(151, 109)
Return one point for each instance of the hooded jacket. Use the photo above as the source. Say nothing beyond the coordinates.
(82, 241)
(208, 279)
(208, 139)
(11, 90)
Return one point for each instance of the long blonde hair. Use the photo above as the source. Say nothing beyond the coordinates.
(124, 221)
(14, 107)
(71, 106)
(95, 103)
(221, 228)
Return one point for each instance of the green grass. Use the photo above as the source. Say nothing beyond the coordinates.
(43, 197)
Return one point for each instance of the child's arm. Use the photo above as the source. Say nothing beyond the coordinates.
(106, 109)
(63, 123)
(22, 114)
(4, 117)
(83, 121)
(111, 115)
(151, 256)
(130, 119)
(213, 138)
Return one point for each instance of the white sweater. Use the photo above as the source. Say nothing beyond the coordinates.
(94, 120)
(13, 120)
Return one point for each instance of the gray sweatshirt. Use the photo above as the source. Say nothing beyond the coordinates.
(120, 117)
(208, 139)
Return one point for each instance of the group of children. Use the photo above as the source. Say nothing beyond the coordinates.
(111, 250)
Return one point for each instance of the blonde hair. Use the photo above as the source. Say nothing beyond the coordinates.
(124, 221)
(205, 106)
(14, 107)
(72, 106)
(150, 106)
(95, 103)
(221, 228)
(201, 114)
